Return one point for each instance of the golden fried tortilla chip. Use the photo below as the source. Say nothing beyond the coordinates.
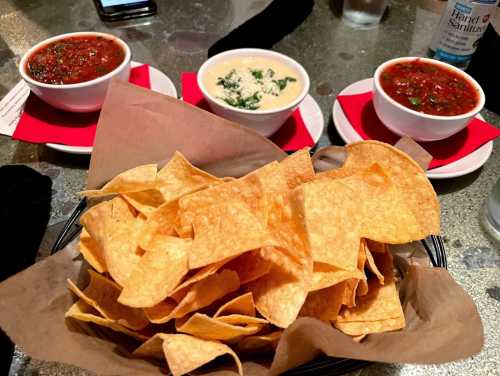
(250, 266)
(381, 303)
(180, 292)
(280, 295)
(349, 298)
(102, 295)
(203, 326)
(298, 168)
(185, 353)
(407, 175)
(160, 313)
(203, 293)
(332, 216)
(373, 267)
(179, 177)
(359, 328)
(264, 343)
(248, 190)
(325, 275)
(81, 311)
(152, 348)
(160, 223)
(136, 179)
(158, 272)
(91, 252)
(225, 230)
(116, 229)
(145, 202)
(237, 319)
(324, 304)
(243, 305)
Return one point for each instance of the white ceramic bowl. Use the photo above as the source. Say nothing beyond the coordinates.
(81, 97)
(417, 125)
(266, 122)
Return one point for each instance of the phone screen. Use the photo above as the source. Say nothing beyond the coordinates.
(112, 3)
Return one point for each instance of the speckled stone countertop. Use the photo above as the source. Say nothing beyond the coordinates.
(335, 56)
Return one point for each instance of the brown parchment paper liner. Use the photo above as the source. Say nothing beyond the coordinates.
(139, 126)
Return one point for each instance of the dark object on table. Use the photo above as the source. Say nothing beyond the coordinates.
(484, 67)
(267, 28)
(25, 197)
(125, 10)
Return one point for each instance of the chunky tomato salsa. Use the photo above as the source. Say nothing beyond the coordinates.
(428, 88)
(74, 59)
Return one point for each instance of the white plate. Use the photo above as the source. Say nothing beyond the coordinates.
(159, 83)
(313, 117)
(460, 167)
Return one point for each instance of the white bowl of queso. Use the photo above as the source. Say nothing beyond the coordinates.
(257, 88)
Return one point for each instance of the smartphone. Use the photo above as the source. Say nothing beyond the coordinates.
(117, 10)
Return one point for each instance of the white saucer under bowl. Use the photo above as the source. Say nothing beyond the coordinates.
(460, 167)
(159, 83)
(313, 117)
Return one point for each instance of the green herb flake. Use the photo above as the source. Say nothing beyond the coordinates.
(415, 101)
(284, 82)
(257, 74)
(270, 73)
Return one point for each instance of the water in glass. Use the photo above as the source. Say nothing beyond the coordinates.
(363, 14)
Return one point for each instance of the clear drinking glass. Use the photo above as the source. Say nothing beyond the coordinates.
(492, 212)
(363, 14)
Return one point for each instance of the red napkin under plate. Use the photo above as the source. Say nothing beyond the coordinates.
(361, 114)
(42, 123)
(293, 135)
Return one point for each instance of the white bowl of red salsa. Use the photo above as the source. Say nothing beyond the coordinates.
(425, 99)
(72, 71)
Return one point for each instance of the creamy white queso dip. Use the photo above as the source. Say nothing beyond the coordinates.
(253, 83)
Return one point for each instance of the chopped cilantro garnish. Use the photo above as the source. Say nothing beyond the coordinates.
(415, 101)
(283, 82)
(257, 73)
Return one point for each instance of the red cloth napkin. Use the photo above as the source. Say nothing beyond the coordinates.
(42, 123)
(293, 135)
(361, 114)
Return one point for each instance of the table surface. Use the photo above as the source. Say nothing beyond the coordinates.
(335, 55)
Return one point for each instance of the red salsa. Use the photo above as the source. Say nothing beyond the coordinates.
(428, 88)
(74, 59)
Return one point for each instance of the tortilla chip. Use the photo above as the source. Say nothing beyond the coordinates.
(237, 319)
(264, 343)
(145, 202)
(158, 272)
(102, 294)
(362, 288)
(374, 246)
(160, 223)
(161, 312)
(152, 348)
(81, 311)
(349, 298)
(204, 293)
(136, 179)
(373, 267)
(203, 326)
(381, 303)
(180, 292)
(115, 229)
(280, 295)
(91, 252)
(332, 215)
(407, 175)
(359, 328)
(225, 230)
(185, 353)
(179, 177)
(324, 304)
(250, 266)
(247, 190)
(243, 305)
(298, 168)
(325, 275)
